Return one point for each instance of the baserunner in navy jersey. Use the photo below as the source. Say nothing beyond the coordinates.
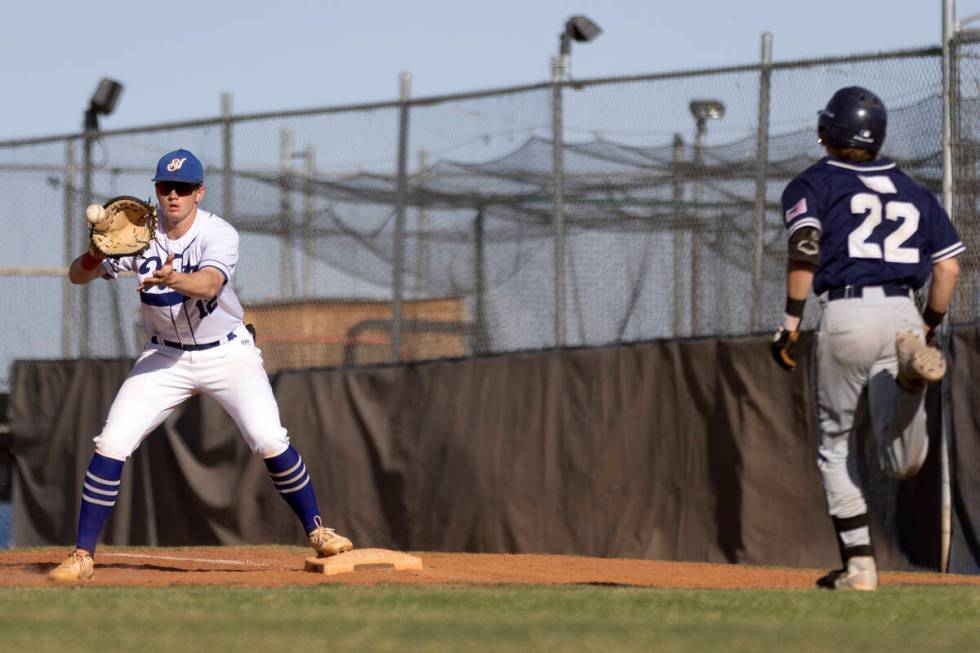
(196, 343)
(864, 236)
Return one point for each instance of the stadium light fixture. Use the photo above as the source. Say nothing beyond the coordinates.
(705, 110)
(102, 103)
(578, 28)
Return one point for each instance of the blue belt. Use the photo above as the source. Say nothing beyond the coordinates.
(849, 292)
(196, 347)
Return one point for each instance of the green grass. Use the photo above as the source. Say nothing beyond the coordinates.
(577, 618)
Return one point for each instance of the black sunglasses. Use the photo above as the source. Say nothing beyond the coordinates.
(183, 189)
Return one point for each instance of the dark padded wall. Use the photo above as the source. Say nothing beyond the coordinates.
(698, 450)
(965, 453)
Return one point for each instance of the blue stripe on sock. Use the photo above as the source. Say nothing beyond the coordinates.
(109, 469)
(290, 479)
(283, 462)
(99, 485)
(292, 487)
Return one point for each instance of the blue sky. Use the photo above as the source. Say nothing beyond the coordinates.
(177, 58)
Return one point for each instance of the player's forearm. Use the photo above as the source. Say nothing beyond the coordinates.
(944, 276)
(799, 280)
(203, 284)
(82, 271)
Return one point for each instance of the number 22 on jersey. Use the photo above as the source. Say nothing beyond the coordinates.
(870, 206)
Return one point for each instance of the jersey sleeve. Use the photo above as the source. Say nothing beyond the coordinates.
(111, 267)
(800, 207)
(220, 250)
(944, 243)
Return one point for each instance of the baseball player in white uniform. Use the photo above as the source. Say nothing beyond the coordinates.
(199, 344)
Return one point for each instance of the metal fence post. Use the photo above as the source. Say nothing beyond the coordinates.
(558, 170)
(761, 179)
(227, 176)
(286, 211)
(479, 280)
(122, 348)
(945, 473)
(422, 247)
(677, 197)
(309, 222)
(696, 236)
(398, 265)
(68, 204)
(85, 317)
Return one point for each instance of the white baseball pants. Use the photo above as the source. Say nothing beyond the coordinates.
(164, 376)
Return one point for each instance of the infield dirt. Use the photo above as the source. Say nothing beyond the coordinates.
(272, 566)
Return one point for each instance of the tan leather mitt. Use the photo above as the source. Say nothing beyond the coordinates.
(125, 229)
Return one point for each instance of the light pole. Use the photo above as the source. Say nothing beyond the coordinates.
(102, 102)
(583, 30)
(703, 111)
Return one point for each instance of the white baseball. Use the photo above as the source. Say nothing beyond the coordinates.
(95, 213)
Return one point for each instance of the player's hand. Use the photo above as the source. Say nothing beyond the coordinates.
(931, 336)
(163, 276)
(782, 346)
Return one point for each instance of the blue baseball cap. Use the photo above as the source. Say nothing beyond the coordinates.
(180, 165)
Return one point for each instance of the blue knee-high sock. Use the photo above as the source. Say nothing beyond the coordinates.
(293, 482)
(99, 492)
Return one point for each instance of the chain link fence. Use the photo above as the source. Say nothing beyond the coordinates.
(427, 228)
(965, 81)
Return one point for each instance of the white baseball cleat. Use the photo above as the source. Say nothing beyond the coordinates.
(78, 566)
(327, 542)
(861, 574)
(918, 363)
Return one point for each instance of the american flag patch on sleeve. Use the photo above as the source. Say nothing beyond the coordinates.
(798, 209)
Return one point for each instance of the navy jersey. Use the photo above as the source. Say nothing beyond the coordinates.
(876, 225)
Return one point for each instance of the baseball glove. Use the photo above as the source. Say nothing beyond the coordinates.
(126, 227)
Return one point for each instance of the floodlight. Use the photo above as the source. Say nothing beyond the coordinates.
(103, 102)
(578, 28)
(707, 109)
(106, 95)
(582, 29)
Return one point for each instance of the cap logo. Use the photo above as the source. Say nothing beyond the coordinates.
(176, 164)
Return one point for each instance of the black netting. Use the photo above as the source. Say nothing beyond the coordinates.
(670, 231)
(966, 170)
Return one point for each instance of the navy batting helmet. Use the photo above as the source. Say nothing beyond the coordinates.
(854, 117)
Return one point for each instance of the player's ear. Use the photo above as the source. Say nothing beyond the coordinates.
(200, 194)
